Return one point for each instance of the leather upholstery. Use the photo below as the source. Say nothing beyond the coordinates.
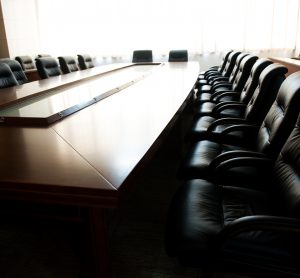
(17, 71)
(67, 64)
(243, 72)
(245, 230)
(47, 67)
(256, 109)
(25, 62)
(7, 79)
(244, 96)
(142, 56)
(215, 69)
(178, 56)
(272, 134)
(85, 61)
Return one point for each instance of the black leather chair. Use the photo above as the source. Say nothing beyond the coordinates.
(237, 86)
(249, 231)
(212, 69)
(142, 56)
(67, 64)
(85, 61)
(17, 71)
(208, 127)
(26, 62)
(269, 139)
(47, 67)
(247, 90)
(178, 56)
(7, 78)
(229, 66)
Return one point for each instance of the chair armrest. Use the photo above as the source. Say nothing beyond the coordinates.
(224, 121)
(222, 86)
(223, 157)
(232, 104)
(216, 94)
(221, 104)
(251, 129)
(259, 223)
(249, 161)
(227, 94)
(220, 79)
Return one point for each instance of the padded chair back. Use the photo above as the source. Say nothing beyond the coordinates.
(17, 71)
(265, 93)
(178, 56)
(287, 174)
(142, 56)
(230, 63)
(224, 61)
(85, 61)
(67, 64)
(7, 78)
(25, 62)
(281, 117)
(47, 67)
(243, 72)
(236, 67)
(252, 81)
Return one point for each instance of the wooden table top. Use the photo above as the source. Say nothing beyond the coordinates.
(86, 158)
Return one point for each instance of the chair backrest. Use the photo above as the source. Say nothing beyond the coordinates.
(85, 61)
(25, 62)
(265, 93)
(252, 81)
(287, 174)
(7, 78)
(47, 67)
(224, 61)
(281, 118)
(178, 56)
(236, 67)
(142, 56)
(243, 72)
(67, 64)
(17, 71)
(230, 63)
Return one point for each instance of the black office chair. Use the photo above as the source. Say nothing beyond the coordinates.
(26, 62)
(142, 56)
(269, 139)
(215, 69)
(253, 112)
(7, 78)
(85, 61)
(67, 64)
(249, 231)
(47, 67)
(16, 70)
(178, 56)
(235, 85)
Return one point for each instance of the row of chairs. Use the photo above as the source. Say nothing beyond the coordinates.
(238, 208)
(12, 72)
(146, 56)
(48, 66)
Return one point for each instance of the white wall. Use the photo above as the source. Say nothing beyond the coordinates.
(20, 21)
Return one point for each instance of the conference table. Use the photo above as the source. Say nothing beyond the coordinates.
(80, 139)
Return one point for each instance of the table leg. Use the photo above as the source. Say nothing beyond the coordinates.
(97, 261)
